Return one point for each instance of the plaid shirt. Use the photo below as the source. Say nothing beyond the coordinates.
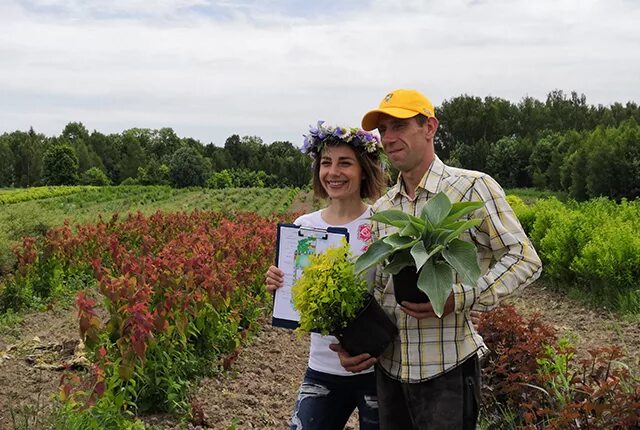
(427, 348)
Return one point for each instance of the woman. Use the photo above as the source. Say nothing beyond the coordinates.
(346, 169)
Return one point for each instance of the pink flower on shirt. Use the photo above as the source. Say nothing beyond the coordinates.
(364, 232)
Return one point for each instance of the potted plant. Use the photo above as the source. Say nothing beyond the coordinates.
(332, 299)
(424, 253)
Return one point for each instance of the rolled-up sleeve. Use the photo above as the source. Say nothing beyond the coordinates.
(507, 259)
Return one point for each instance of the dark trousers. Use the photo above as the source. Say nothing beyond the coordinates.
(325, 402)
(447, 402)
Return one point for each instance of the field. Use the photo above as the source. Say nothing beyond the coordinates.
(33, 211)
(256, 369)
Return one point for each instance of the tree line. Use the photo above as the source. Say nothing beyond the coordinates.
(146, 157)
(560, 144)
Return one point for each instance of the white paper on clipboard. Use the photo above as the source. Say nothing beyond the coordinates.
(294, 245)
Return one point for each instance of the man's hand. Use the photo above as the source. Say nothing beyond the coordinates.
(354, 364)
(425, 310)
(474, 316)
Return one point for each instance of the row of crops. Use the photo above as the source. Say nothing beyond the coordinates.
(32, 211)
(181, 291)
(591, 249)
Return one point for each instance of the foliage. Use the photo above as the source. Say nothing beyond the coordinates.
(23, 195)
(534, 381)
(593, 246)
(60, 166)
(560, 143)
(241, 178)
(94, 176)
(187, 168)
(431, 243)
(222, 179)
(329, 294)
(32, 211)
(181, 292)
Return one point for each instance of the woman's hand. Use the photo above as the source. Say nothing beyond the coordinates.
(275, 279)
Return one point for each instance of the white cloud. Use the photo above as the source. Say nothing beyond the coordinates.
(208, 69)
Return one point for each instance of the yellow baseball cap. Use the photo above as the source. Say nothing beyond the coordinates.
(399, 104)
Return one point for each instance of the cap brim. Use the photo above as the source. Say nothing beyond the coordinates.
(370, 119)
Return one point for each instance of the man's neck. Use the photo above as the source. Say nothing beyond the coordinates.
(412, 178)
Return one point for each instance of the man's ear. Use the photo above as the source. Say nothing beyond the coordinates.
(432, 126)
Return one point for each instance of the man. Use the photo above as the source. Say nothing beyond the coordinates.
(429, 378)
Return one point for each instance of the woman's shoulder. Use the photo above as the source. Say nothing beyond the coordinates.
(312, 219)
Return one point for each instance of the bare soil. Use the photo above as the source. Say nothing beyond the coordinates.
(260, 390)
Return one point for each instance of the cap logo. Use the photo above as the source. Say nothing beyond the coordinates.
(388, 97)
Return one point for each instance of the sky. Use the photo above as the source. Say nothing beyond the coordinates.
(270, 68)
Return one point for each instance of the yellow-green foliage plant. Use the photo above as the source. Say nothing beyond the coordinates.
(329, 294)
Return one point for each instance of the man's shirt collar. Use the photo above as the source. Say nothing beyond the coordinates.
(429, 182)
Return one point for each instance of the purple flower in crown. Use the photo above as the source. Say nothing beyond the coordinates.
(341, 133)
(308, 143)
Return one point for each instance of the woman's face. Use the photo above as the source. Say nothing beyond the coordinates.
(340, 172)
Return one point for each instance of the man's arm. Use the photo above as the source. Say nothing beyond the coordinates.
(501, 236)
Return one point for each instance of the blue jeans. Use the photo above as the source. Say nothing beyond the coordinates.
(325, 402)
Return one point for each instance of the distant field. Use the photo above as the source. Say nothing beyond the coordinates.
(25, 212)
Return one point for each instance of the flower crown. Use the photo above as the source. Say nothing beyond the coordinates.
(321, 135)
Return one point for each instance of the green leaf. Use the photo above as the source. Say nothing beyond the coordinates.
(377, 252)
(436, 209)
(439, 236)
(399, 261)
(462, 257)
(419, 254)
(392, 217)
(464, 226)
(399, 242)
(460, 209)
(410, 230)
(436, 281)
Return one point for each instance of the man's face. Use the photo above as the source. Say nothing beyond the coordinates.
(408, 145)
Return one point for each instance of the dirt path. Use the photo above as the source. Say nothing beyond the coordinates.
(260, 391)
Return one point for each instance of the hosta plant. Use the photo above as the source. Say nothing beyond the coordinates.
(329, 294)
(431, 243)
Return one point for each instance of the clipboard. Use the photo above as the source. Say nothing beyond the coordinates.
(294, 244)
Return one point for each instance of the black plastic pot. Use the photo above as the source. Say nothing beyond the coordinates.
(371, 331)
(405, 286)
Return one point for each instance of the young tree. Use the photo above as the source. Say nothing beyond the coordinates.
(94, 176)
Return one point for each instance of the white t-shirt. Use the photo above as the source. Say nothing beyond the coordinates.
(321, 358)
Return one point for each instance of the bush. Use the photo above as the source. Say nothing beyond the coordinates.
(94, 176)
(534, 381)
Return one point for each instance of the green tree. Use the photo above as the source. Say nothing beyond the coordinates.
(94, 176)
(188, 168)
(132, 154)
(107, 148)
(219, 180)
(154, 173)
(508, 160)
(60, 165)
(27, 149)
(164, 143)
(6, 162)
